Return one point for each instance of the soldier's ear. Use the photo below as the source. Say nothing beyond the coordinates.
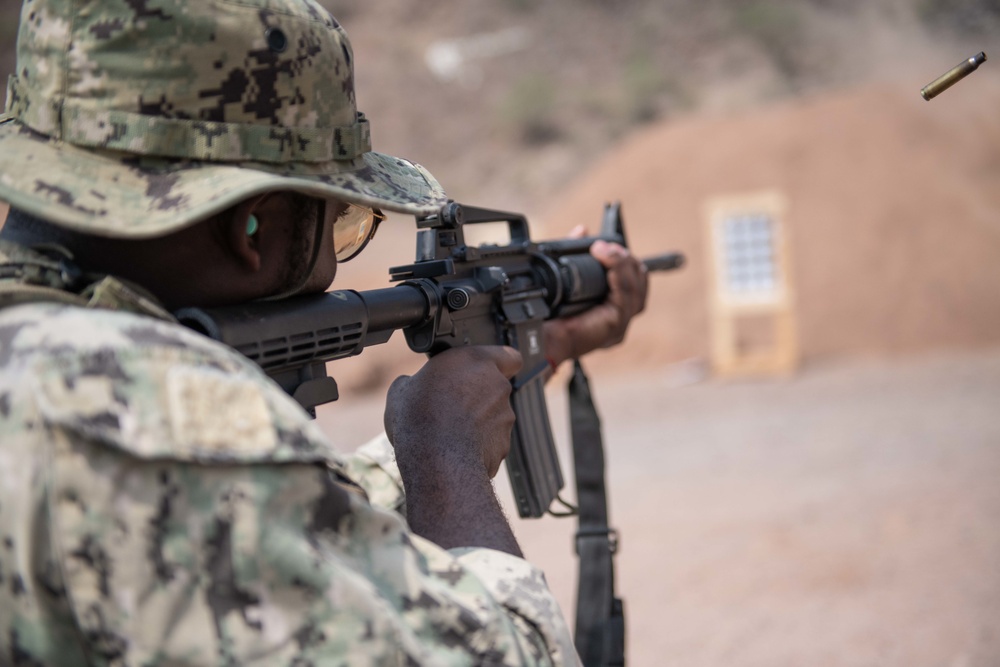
(241, 234)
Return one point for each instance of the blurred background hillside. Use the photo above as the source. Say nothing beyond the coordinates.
(508, 101)
(536, 91)
(843, 514)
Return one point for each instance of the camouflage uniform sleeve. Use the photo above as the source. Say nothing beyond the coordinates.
(521, 587)
(373, 467)
(512, 581)
(167, 561)
(162, 503)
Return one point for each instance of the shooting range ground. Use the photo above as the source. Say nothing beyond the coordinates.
(845, 517)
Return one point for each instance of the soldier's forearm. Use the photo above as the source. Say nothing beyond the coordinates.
(457, 510)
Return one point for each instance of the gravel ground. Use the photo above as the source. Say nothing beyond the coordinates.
(848, 516)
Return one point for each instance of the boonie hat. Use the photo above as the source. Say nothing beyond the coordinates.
(136, 119)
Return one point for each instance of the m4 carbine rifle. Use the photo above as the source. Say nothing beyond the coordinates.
(452, 295)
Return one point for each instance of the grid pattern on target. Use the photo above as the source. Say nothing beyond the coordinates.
(748, 246)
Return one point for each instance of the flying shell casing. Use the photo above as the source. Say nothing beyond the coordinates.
(953, 76)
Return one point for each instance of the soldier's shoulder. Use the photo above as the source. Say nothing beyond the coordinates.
(149, 387)
(54, 328)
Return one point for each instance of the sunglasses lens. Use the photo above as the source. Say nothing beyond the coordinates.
(352, 230)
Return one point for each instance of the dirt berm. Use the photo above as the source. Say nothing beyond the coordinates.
(893, 217)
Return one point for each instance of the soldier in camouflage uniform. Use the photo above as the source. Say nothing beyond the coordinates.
(161, 501)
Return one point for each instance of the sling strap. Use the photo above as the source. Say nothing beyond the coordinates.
(600, 617)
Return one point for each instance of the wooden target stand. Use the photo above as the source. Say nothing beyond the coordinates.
(752, 307)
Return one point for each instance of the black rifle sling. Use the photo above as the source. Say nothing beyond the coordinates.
(600, 619)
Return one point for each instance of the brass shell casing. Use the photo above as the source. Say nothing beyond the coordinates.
(953, 76)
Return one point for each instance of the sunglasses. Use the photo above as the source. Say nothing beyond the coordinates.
(353, 229)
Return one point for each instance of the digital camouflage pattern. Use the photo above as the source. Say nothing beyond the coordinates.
(163, 503)
(135, 119)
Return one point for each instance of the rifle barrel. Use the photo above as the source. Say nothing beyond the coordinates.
(667, 262)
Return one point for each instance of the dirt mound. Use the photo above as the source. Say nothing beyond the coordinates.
(893, 220)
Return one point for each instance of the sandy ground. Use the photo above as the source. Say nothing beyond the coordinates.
(848, 516)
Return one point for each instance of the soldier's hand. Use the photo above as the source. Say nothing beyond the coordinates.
(454, 413)
(450, 425)
(603, 325)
